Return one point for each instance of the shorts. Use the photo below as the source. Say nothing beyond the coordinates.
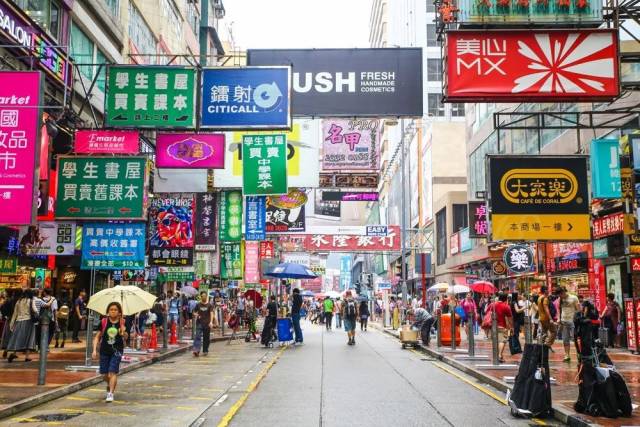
(110, 363)
(349, 324)
(503, 334)
(566, 329)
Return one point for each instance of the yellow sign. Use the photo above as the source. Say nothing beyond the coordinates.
(539, 186)
(293, 139)
(540, 227)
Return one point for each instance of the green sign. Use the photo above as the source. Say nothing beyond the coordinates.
(176, 274)
(231, 260)
(8, 265)
(101, 187)
(264, 165)
(230, 216)
(150, 96)
(601, 248)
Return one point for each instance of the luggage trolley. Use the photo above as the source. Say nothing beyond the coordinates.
(285, 330)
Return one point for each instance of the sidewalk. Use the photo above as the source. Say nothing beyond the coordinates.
(564, 391)
(18, 389)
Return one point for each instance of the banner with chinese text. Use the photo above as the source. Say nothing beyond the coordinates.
(353, 243)
(95, 141)
(230, 216)
(205, 239)
(264, 165)
(171, 226)
(190, 150)
(351, 144)
(255, 225)
(251, 262)
(231, 260)
(113, 246)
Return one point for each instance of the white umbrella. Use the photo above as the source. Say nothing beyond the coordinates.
(439, 287)
(459, 289)
(332, 294)
(132, 299)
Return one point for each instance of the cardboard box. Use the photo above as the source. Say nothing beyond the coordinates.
(407, 335)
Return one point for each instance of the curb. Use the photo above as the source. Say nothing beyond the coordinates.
(39, 399)
(559, 414)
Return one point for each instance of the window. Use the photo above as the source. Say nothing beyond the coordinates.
(434, 69)
(457, 109)
(46, 13)
(141, 35)
(432, 38)
(460, 218)
(87, 55)
(170, 12)
(431, 8)
(192, 17)
(435, 107)
(477, 167)
(441, 236)
(113, 6)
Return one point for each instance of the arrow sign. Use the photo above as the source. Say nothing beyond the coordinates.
(124, 210)
(570, 226)
(73, 210)
(95, 253)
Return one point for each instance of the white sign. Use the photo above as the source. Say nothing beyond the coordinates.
(180, 181)
(48, 238)
(301, 258)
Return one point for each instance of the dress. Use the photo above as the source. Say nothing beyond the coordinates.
(23, 336)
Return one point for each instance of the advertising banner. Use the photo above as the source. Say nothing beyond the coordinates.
(600, 248)
(255, 226)
(231, 260)
(634, 143)
(264, 165)
(345, 180)
(324, 209)
(246, 98)
(351, 82)
(19, 125)
(465, 240)
(519, 259)
(303, 145)
(351, 144)
(101, 187)
(614, 281)
(345, 272)
(150, 96)
(454, 244)
(91, 141)
(205, 239)
(190, 150)
(539, 198)
(207, 264)
(171, 226)
(353, 243)
(350, 196)
(8, 265)
(251, 262)
(532, 65)
(609, 225)
(113, 246)
(605, 169)
(48, 238)
(478, 223)
(267, 249)
(230, 216)
(283, 220)
(630, 316)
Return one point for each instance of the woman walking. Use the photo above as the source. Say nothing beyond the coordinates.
(364, 315)
(111, 338)
(22, 328)
(610, 318)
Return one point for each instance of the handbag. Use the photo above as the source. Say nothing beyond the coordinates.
(514, 345)
(486, 320)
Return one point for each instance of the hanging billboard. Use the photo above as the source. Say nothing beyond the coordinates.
(605, 169)
(94, 141)
(351, 82)
(351, 144)
(532, 65)
(205, 239)
(171, 226)
(190, 150)
(113, 246)
(48, 238)
(264, 165)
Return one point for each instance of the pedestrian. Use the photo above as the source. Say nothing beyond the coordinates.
(533, 313)
(79, 314)
(62, 321)
(270, 321)
(338, 313)
(296, 307)
(240, 308)
(546, 314)
(328, 307)
(517, 310)
(569, 306)
(423, 321)
(173, 307)
(23, 334)
(504, 319)
(203, 316)
(395, 313)
(111, 337)
(49, 310)
(364, 314)
(159, 309)
(349, 316)
(610, 319)
(191, 306)
(470, 308)
(6, 310)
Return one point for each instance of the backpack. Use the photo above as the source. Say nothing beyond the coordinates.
(63, 312)
(351, 309)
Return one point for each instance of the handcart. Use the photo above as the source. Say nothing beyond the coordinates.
(285, 330)
(408, 337)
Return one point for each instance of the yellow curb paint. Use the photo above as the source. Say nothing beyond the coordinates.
(236, 406)
(471, 383)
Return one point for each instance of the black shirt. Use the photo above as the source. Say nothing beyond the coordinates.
(272, 308)
(297, 303)
(111, 340)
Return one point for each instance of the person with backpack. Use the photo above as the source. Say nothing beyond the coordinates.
(111, 338)
(546, 316)
(48, 310)
(349, 315)
(22, 327)
(62, 319)
(328, 307)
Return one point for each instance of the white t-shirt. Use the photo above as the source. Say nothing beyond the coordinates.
(568, 308)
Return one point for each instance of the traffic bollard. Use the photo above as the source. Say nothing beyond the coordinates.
(470, 338)
(439, 330)
(527, 330)
(44, 347)
(494, 339)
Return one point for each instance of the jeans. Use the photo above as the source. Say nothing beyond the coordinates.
(338, 320)
(327, 319)
(202, 338)
(296, 327)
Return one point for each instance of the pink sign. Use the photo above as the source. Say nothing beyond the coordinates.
(19, 125)
(251, 262)
(107, 141)
(189, 150)
(351, 144)
(353, 243)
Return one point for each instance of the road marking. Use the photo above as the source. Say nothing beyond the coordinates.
(221, 400)
(236, 406)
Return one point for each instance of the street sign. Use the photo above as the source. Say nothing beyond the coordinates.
(246, 98)
(264, 165)
(190, 150)
(230, 216)
(605, 169)
(171, 226)
(113, 246)
(539, 198)
(255, 226)
(519, 259)
(351, 144)
(231, 260)
(150, 96)
(95, 187)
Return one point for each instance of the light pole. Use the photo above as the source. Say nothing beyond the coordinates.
(403, 218)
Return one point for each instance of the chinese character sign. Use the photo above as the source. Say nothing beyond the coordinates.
(230, 216)
(608, 225)
(231, 260)
(19, 124)
(605, 169)
(351, 144)
(519, 259)
(101, 187)
(113, 246)
(8, 265)
(251, 262)
(171, 238)
(264, 165)
(267, 249)
(353, 243)
(106, 142)
(537, 65)
(283, 220)
(205, 238)
(255, 222)
(158, 97)
(190, 150)
(48, 238)
(478, 223)
(246, 98)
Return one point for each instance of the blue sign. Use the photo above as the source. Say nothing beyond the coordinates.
(246, 98)
(384, 286)
(465, 240)
(113, 246)
(345, 272)
(634, 143)
(377, 230)
(605, 169)
(255, 221)
(601, 248)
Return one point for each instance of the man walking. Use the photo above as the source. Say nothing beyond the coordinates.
(349, 316)
(203, 316)
(569, 306)
(174, 304)
(240, 307)
(546, 312)
(296, 304)
(79, 313)
(338, 314)
(504, 320)
(328, 312)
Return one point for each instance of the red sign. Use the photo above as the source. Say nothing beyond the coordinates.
(629, 309)
(351, 243)
(455, 243)
(598, 290)
(266, 249)
(608, 225)
(635, 264)
(637, 322)
(532, 65)
(107, 141)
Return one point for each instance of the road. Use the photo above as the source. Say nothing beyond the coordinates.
(322, 383)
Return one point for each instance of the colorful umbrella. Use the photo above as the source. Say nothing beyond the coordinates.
(483, 287)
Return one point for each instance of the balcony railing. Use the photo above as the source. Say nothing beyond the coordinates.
(530, 11)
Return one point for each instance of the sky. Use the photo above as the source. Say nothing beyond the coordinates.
(281, 24)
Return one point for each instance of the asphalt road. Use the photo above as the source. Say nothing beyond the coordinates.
(322, 383)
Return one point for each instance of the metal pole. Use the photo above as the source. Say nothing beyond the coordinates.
(470, 337)
(439, 330)
(165, 332)
(180, 321)
(423, 259)
(89, 334)
(527, 330)
(44, 347)
(403, 218)
(452, 314)
(494, 338)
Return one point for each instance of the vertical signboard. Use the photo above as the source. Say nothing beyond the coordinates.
(478, 222)
(19, 125)
(267, 249)
(351, 144)
(156, 96)
(345, 272)
(605, 169)
(230, 216)
(113, 246)
(255, 226)
(630, 316)
(171, 219)
(264, 164)
(231, 262)
(251, 262)
(205, 239)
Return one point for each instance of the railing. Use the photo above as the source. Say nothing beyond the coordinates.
(530, 11)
